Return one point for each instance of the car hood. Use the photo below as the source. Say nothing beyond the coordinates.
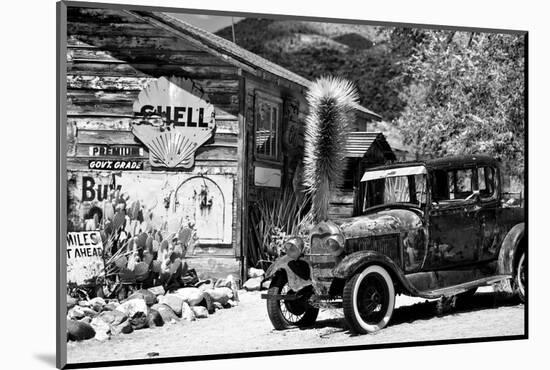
(382, 222)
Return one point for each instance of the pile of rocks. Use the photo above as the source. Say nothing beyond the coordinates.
(146, 308)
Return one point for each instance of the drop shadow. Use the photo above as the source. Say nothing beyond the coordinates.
(46, 358)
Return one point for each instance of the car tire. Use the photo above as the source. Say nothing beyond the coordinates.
(369, 300)
(285, 315)
(520, 276)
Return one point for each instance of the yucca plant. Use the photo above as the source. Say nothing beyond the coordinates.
(274, 221)
(332, 103)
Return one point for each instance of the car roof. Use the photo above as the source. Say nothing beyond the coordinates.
(446, 162)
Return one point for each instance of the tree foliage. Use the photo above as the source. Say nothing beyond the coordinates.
(466, 96)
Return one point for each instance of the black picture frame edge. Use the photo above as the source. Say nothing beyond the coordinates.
(61, 188)
(302, 351)
(61, 184)
(285, 16)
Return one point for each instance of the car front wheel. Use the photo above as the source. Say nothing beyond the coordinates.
(285, 314)
(369, 300)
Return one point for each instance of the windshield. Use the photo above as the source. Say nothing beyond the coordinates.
(410, 188)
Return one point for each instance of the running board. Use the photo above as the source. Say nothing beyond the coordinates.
(461, 288)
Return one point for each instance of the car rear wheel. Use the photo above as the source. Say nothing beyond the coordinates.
(369, 300)
(520, 278)
(285, 314)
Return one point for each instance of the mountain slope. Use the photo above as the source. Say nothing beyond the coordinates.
(360, 53)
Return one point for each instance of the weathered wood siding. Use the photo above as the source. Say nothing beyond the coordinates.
(111, 56)
(287, 162)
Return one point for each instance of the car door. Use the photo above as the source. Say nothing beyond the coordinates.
(491, 233)
(454, 226)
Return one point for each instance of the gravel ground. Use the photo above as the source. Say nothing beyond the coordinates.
(246, 328)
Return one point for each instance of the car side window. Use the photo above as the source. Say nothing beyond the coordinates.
(460, 183)
(453, 184)
(486, 182)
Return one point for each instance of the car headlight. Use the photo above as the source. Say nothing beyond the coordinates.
(294, 247)
(326, 237)
(335, 244)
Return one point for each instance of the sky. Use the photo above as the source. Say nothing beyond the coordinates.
(209, 23)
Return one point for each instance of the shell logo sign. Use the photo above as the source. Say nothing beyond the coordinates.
(175, 118)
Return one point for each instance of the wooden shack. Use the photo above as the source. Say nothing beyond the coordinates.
(363, 150)
(181, 127)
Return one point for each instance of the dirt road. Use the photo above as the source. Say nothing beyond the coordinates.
(246, 328)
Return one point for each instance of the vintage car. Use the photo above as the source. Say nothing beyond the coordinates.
(430, 229)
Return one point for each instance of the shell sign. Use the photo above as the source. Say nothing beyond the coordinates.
(175, 119)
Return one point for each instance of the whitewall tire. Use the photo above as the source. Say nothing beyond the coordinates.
(369, 300)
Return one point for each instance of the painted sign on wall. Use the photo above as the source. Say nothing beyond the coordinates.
(115, 151)
(84, 256)
(109, 164)
(175, 119)
(164, 201)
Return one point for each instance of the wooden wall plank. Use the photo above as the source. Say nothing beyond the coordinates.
(126, 137)
(148, 70)
(87, 53)
(204, 153)
(118, 29)
(134, 83)
(201, 166)
(230, 127)
(122, 42)
(97, 15)
(228, 111)
(218, 95)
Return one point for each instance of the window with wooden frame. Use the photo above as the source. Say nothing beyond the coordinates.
(267, 126)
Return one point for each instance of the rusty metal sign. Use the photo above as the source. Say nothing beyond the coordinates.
(175, 118)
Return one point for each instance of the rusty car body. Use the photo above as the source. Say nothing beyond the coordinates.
(431, 229)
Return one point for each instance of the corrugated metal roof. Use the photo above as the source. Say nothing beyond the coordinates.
(360, 142)
(240, 54)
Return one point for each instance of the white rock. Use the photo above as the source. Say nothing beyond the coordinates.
(102, 329)
(200, 312)
(76, 313)
(253, 284)
(254, 272)
(133, 306)
(173, 301)
(187, 313)
(97, 303)
(221, 295)
(157, 290)
(193, 296)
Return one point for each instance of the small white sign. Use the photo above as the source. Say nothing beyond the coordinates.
(270, 177)
(84, 256)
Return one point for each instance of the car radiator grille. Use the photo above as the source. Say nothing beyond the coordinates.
(384, 244)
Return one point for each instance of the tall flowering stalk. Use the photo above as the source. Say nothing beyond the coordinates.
(332, 102)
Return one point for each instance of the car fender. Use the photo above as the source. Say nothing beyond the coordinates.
(298, 272)
(506, 256)
(358, 261)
